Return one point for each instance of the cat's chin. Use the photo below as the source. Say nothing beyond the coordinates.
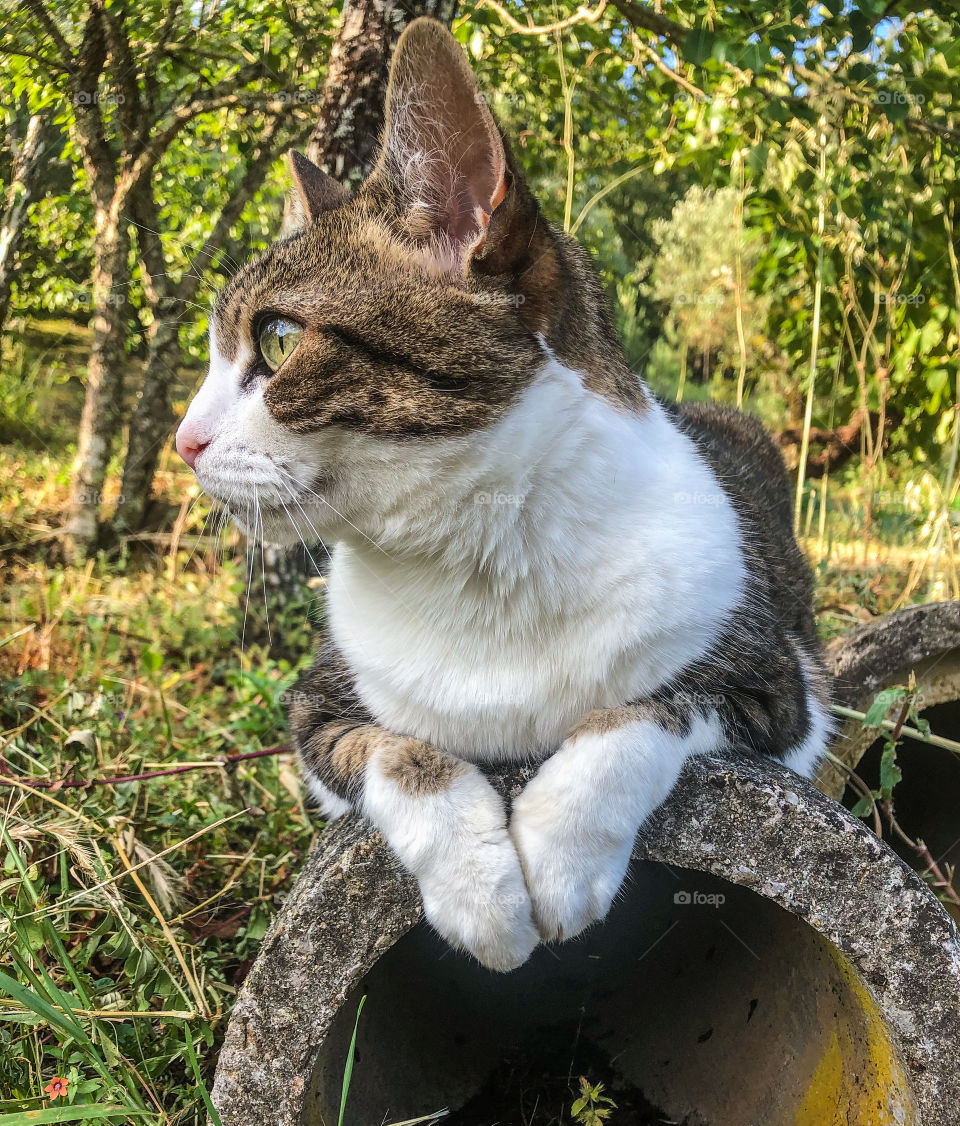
(275, 528)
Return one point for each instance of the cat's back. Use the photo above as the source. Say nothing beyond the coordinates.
(742, 455)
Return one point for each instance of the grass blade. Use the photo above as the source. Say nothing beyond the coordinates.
(36, 1004)
(192, 1057)
(348, 1068)
(65, 1114)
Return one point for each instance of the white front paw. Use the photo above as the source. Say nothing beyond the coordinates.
(572, 871)
(479, 903)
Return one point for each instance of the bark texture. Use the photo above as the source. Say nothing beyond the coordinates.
(102, 415)
(347, 135)
(19, 196)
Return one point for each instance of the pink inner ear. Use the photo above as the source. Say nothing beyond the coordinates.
(475, 183)
(442, 143)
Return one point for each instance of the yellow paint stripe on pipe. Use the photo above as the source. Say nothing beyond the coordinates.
(859, 1080)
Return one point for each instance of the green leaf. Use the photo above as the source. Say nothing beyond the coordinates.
(66, 1114)
(201, 1086)
(862, 30)
(698, 45)
(33, 1001)
(750, 58)
(348, 1067)
(884, 701)
(863, 808)
(896, 109)
(890, 773)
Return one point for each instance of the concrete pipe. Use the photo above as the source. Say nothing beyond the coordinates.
(771, 962)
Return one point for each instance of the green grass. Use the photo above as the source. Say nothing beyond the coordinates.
(129, 913)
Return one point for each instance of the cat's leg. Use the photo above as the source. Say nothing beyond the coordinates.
(446, 824)
(575, 823)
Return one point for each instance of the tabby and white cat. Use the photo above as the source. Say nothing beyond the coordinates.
(534, 558)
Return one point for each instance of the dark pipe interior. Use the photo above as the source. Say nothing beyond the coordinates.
(927, 801)
(723, 1011)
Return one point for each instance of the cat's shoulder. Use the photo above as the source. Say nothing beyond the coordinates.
(741, 452)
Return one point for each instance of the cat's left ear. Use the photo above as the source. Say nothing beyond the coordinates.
(317, 191)
(442, 149)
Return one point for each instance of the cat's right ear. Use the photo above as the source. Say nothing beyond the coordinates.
(317, 191)
(443, 159)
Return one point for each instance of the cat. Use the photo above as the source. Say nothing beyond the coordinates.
(533, 558)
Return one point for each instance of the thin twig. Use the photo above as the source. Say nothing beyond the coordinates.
(942, 881)
(581, 15)
(906, 729)
(86, 783)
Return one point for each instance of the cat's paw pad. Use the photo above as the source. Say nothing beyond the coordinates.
(483, 906)
(571, 877)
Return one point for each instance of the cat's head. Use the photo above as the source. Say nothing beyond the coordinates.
(350, 362)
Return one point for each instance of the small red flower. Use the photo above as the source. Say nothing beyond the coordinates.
(56, 1088)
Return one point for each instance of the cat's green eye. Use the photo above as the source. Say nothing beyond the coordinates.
(278, 339)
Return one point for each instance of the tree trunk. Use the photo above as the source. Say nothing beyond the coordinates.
(17, 204)
(102, 415)
(153, 419)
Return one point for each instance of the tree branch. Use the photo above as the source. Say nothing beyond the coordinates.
(581, 15)
(642, 18)
(46, 21)
(88, 121)
(133, 121)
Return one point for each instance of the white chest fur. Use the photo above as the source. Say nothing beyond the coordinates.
(586, 557)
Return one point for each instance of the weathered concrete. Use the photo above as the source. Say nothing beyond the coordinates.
(922, 640)
(869, 656)
(750, 823)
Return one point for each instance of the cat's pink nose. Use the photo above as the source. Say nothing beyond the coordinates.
(189, 444)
